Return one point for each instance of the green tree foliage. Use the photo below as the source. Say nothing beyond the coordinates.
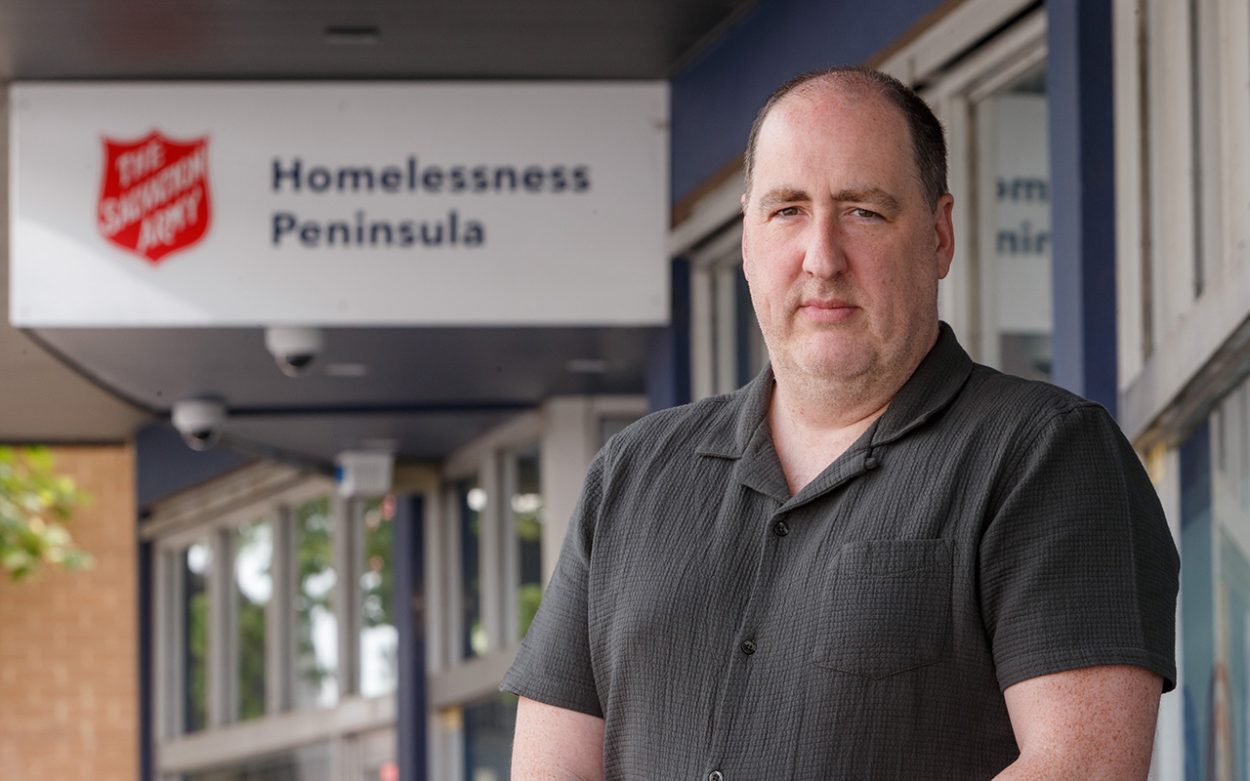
(197, 658)
(35, 504)
(378, 581)
(251, 618)
(314, 559)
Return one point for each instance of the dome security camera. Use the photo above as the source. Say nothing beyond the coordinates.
(199, 422)
(294, 348)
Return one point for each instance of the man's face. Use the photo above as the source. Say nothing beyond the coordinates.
(841, 250)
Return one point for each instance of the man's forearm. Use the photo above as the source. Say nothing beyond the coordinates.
(1058, 766)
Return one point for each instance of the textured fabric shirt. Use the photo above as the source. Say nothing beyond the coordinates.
(984, 530)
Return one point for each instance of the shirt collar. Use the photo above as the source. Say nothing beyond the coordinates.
(926, 393)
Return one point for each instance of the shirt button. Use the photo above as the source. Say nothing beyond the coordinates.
(748, 647)
(781, 528)
(716, 775)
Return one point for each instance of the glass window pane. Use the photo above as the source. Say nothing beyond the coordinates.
(1013, 218)
(379, 642)
(488, 727)
(526, 505)
(1215, 589)
(471, 502)
(253, 588)
(197, 560)
(316, 628)
(750, 340)
(306, 764)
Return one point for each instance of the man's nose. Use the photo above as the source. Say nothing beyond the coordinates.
(825, 255)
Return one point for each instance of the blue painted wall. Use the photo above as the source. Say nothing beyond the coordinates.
(715, 97)
(1082, 160)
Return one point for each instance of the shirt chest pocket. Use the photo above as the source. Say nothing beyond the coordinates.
(886, 609)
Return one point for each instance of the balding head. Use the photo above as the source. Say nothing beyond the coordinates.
(927, 141)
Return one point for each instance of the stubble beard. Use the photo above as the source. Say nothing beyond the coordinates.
(850, 376)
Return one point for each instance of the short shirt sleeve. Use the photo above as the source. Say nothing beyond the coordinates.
(1077, 565)
(553, 665)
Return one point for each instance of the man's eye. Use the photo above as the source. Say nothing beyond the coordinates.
(787, 211)
(866, 214)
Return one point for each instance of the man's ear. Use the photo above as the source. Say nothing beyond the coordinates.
(944, 234)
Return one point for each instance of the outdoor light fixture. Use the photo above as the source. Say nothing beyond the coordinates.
(294, 348)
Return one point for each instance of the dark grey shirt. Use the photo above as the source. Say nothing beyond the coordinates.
(985, 530)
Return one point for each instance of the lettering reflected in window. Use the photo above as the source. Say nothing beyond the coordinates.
(1013, 233)
(316, 627)
(253, 588)
(197, 560)
(379, 640)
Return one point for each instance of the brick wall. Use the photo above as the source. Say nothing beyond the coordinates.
(69, 641)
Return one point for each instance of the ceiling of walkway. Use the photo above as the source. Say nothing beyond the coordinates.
(62, 385)
(335, 39)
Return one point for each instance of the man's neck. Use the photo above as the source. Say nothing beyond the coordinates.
(813, 422)
(807, 436)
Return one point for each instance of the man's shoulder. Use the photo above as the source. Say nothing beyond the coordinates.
(1019, 413)
(1024, 400)
(674, 430)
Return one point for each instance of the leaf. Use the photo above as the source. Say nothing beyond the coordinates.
(34, 503)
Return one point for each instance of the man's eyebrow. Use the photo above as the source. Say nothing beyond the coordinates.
(781, 195)
(874, 195)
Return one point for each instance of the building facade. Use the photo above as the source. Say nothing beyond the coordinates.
(1098, 159)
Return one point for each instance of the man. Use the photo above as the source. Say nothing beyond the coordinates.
(877, 560)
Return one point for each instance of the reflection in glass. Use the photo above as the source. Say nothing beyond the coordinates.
(253, 588)
(488, 727)
(1013, 218)
(1215, 589)
(316, 629)
(526, 505)
(379, 641)
(197, 560)
(386, 771)
(471, 502)
(311, 763)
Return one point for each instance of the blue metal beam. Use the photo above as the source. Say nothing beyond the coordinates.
(1082, 160)
(408, 561)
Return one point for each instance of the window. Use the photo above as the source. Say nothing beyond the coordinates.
(275, 603)
(1013, 226)
(379, 642)
(470, 502)
(1215, 592)
(316, 628)
(253, 590)
(727, 348)
(197, 559)
(493, 531)
(525, 506)
(488, 728)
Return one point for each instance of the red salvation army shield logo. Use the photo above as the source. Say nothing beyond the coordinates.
(154, 198)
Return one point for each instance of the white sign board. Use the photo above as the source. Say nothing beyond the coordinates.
(338, 204)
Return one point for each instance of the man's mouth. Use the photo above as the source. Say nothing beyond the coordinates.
(827, 310)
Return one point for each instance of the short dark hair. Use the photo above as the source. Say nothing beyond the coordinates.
(927, 140)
